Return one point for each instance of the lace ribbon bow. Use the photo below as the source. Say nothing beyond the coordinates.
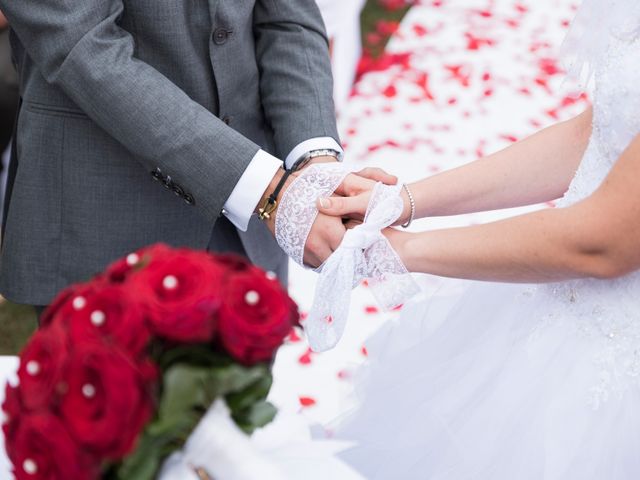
(364, 252)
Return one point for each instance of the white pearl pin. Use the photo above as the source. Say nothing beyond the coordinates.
(252, 298)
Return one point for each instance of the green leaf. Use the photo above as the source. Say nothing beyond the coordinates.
(144, 463)
(256, 416)
(197, 355)
(196, 388)
(182, 390)
(249, 408)
(236, 378)
(253, 393)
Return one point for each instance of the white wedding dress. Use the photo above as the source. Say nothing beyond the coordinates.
(512, 382)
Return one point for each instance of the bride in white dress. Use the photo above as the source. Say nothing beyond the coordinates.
(515, 381)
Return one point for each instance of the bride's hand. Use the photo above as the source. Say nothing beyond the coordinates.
(364, 181)
(352, 196)
(355, 206)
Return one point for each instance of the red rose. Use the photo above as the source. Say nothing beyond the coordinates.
(41, 366)
(47, 316)
(110, 313)
(12, 408)
(119, 271)
(233, 263)
(256, 316)
(108, 400)
(41, 448)
(182, 290)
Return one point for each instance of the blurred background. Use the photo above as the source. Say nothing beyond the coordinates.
(420, 86)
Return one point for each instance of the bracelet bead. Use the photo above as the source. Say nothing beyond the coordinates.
(413, 207)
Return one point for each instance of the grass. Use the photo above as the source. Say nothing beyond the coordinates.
(17, 322)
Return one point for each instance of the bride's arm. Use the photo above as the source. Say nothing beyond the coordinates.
(534, 170)
(598, 237)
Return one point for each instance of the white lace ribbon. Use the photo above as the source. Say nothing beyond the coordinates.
(297, 210)
(364, 252)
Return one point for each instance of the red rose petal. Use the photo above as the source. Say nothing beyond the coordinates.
(305, 358)
(307, 401)
(293, 336)
(390, 91)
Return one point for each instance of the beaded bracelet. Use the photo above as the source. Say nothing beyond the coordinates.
(413, 207)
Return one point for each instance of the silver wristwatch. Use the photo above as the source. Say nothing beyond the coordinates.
(304, 160)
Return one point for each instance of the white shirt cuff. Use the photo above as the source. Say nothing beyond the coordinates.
(247, 193)
(319, 143)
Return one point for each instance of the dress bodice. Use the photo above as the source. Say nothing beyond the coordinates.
(616, 111)
(608, 311)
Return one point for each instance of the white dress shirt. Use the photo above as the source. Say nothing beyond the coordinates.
(256, 178)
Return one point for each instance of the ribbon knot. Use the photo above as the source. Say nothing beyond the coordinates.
(361, 237)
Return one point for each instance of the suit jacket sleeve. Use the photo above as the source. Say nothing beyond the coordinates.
(79, 47)
(295, 72)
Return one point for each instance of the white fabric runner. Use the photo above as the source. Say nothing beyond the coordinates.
(342, 19)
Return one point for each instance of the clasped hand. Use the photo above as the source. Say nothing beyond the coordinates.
(331, 224)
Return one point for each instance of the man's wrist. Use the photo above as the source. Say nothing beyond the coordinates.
(270, 189)
(323, 159)
(271, 198)
(316, 156)
(317, 144)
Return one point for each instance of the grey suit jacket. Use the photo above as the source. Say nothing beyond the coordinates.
(122, 98)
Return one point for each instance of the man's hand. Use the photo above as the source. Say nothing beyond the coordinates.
(3, 21)
(325, 237)
(327, 231)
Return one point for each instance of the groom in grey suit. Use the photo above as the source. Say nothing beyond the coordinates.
(158, 120)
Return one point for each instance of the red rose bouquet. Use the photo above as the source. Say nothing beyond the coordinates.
(125, 366)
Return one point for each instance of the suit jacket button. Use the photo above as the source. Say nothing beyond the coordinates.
(221, 35)
(157, 175)
(177, 189)
(189, 199)
(227, 120)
